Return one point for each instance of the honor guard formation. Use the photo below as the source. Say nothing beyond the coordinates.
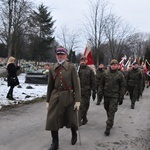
(70, 89)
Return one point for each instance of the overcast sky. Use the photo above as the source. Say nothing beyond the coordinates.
(71, 12)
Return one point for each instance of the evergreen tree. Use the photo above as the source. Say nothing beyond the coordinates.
(41, 37)
(72, 56)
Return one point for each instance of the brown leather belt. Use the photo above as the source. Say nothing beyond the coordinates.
(64, 89)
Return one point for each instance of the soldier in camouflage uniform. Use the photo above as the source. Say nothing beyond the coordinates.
(112, 88)
(143, 82)
(124, 71)
(99, 75)
(87, 83)
(134, 82)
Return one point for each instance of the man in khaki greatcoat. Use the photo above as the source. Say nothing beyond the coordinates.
(63, 98)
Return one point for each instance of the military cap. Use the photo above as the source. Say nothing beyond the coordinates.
(134, 63)
(113, 61)
(61, 50)
(83, 58)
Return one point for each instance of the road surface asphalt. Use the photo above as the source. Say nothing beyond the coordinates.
(23, 128)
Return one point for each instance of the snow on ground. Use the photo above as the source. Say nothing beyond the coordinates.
(21, 94)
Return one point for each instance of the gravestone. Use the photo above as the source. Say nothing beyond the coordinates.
(36, 78)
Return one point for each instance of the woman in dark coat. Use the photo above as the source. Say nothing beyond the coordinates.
(12, 79)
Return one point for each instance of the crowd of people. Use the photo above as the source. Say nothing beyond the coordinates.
(114, 83)
(69, 91)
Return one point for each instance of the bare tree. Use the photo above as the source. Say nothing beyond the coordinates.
(68, 39)
(94, 26)
(137, 43)
(117, 33)
(7, 12)
(14, 16)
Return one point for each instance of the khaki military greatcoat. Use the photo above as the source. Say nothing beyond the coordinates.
(62, 93)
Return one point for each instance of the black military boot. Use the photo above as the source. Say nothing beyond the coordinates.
(74, 136)
(132, 106)
(84, 121)
(98, 103)
(55, 141)
(107, 131)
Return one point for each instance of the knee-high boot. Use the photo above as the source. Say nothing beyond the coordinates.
(55, 140)
(84, 121)
(74, 136)
(10, 93)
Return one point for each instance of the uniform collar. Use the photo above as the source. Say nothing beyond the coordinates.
(65, 65)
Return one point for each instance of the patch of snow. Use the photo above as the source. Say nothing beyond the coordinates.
(21, 92)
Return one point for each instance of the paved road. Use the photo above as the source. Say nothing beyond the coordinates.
(23, 128)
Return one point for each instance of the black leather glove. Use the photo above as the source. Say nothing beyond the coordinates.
(94, 95)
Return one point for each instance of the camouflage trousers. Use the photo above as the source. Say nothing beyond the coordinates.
(85, 103)
(111, 106)
(133, 91)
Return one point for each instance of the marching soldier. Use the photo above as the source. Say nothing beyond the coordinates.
(63, 98)
(112, 88)
(141, 89)
(99, 75)
(134, 82)
(124, 71)
(87, 84)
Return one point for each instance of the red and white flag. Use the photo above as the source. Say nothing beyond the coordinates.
(145, 67)
(128, 63)
(88, 54)
(121, 63)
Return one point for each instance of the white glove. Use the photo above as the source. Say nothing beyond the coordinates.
(47, 105)
(77, 106)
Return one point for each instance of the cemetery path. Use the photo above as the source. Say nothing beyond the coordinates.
(23, 128)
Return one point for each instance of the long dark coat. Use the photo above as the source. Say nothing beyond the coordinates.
(12, 79)
(62, 93)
